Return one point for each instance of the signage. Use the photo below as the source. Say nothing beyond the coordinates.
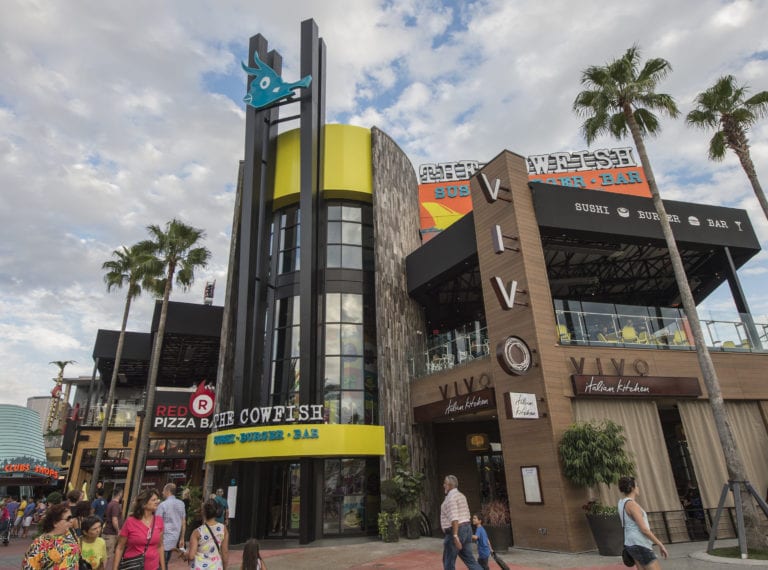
(522, 406)
(457, 406)
(267, 87)
(26, 466)
(296, 440)
(581, 210)
(634, 386)
(267, 415)
(514, 356)
(183, 411)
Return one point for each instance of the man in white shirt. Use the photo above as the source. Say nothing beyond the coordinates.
(455, 522)
(174, 521)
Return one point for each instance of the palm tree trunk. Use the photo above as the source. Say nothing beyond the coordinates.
(745, 158)
(111, 396)
(149, 402)
(756, 539)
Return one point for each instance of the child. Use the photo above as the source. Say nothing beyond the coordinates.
(481, 537)
(252, 560)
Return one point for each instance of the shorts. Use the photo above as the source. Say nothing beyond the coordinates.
(27, 522)
(641, 554)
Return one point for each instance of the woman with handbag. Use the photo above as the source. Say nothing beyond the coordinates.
(56, 548)
(638, 538)
(209, 544)
(140, 543)
(92, 547)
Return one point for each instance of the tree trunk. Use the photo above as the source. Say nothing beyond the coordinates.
(112, 388)
(746, 163)
(146, 426)
(756, 538)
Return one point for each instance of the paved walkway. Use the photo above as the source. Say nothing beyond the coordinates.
(422, 554)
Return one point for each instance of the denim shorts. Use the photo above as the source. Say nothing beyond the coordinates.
(641, 554)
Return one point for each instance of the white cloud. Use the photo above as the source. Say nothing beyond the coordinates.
(109, 122)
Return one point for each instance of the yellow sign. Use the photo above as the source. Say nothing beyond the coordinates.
(290, 441)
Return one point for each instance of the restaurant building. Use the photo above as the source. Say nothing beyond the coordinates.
(545, 304)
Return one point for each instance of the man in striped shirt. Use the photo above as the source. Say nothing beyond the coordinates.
(454, 519)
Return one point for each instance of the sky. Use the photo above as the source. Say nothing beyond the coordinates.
(117, 115)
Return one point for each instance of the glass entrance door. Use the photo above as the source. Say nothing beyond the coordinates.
(284, 500)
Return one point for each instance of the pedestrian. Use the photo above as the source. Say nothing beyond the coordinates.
(223, 516)
(454, 520)
(20, 515)
(99, 505)
(483, 544)
(142, 533)
(113, 522)
(73, 497)
(209, 544)
(174, 517)
(56, 548)
(93, 549)
(638, 538)
(252, 559)
(29, 514)
(80, 511)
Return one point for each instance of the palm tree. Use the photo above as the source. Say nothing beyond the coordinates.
(57, 403)
(621, 98)
(173, 250)
(129, 267)
(723, 107)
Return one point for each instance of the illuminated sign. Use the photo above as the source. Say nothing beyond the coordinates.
(24, 467)
(267, 87)
(298, 440)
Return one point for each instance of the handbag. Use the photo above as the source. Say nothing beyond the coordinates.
(626, 557)
(137, 562)
(82, 563)
(499, 560)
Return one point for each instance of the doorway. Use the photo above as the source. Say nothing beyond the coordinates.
(284, 500)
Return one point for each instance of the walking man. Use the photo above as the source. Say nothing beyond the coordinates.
(223, 507)
(113, 522)
(99, 505)
(174, 521)
(454, 520)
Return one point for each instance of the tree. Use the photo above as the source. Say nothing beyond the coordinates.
(723, 107)
(175, 251)
(130, 267)
(621, 98)
(57, 403)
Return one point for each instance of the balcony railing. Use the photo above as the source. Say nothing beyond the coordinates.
(123, 414)
(657, 332)
(450, 349)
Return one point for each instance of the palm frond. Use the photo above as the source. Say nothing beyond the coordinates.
(717, 146)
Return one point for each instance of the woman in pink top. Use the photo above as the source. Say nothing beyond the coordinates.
(142, 533)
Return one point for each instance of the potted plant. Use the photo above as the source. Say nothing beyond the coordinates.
(593, 453)
(405, 488)
(389, 521)
(496, 521)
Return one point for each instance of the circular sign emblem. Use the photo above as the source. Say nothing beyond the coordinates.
(201, 402)
(514, 356)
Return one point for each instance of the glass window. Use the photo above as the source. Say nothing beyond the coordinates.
(351, 233)
(351, 339)
(351, 257)
(334, 256)
(351, 213)
(332, 372)
(332, 307)
(332, 339)
(352, 407)
(352, 373)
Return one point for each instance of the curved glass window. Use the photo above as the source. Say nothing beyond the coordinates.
(348, 237)
(284, 387)
(288, 240)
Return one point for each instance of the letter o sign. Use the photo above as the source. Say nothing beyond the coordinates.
(514, 356)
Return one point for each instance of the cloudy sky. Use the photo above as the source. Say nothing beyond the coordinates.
(116, 115)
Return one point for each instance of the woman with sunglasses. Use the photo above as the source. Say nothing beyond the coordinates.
(142, 533)
(56, 548)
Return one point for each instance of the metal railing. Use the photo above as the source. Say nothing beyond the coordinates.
(123, 414)
(693, 524)
(657, 332)
(451, 349)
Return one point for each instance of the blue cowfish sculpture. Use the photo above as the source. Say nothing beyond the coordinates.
(267, 86)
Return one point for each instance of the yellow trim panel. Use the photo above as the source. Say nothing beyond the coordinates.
(347, 169)
(293, 441)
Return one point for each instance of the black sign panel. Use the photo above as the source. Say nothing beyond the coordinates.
(635, 216)
(174, 412)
